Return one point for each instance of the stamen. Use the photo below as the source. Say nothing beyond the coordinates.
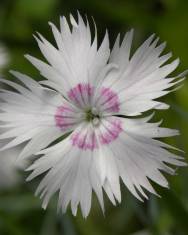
(96, 121)
(92, 115)
(94, 111)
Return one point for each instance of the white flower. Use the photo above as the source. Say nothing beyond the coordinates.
(84, 106)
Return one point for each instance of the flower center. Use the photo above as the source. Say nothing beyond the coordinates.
(93, 104)
(98, 109)
(92, 115)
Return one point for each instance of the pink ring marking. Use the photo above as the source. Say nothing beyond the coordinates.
(87, 141)
(81, 95)
(64, 117)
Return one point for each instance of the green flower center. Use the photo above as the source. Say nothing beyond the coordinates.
(90, 116)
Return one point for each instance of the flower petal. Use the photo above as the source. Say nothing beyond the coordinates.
(77, 59)
(33, 113)
(142, 78)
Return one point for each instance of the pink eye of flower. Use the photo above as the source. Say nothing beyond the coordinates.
(88, 141)
(93, 108)
(109, 100)
(64, 117)
(82, 94)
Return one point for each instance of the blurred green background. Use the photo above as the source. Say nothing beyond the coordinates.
(20, 211)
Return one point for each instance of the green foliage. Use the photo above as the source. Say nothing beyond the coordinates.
(20, 211)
